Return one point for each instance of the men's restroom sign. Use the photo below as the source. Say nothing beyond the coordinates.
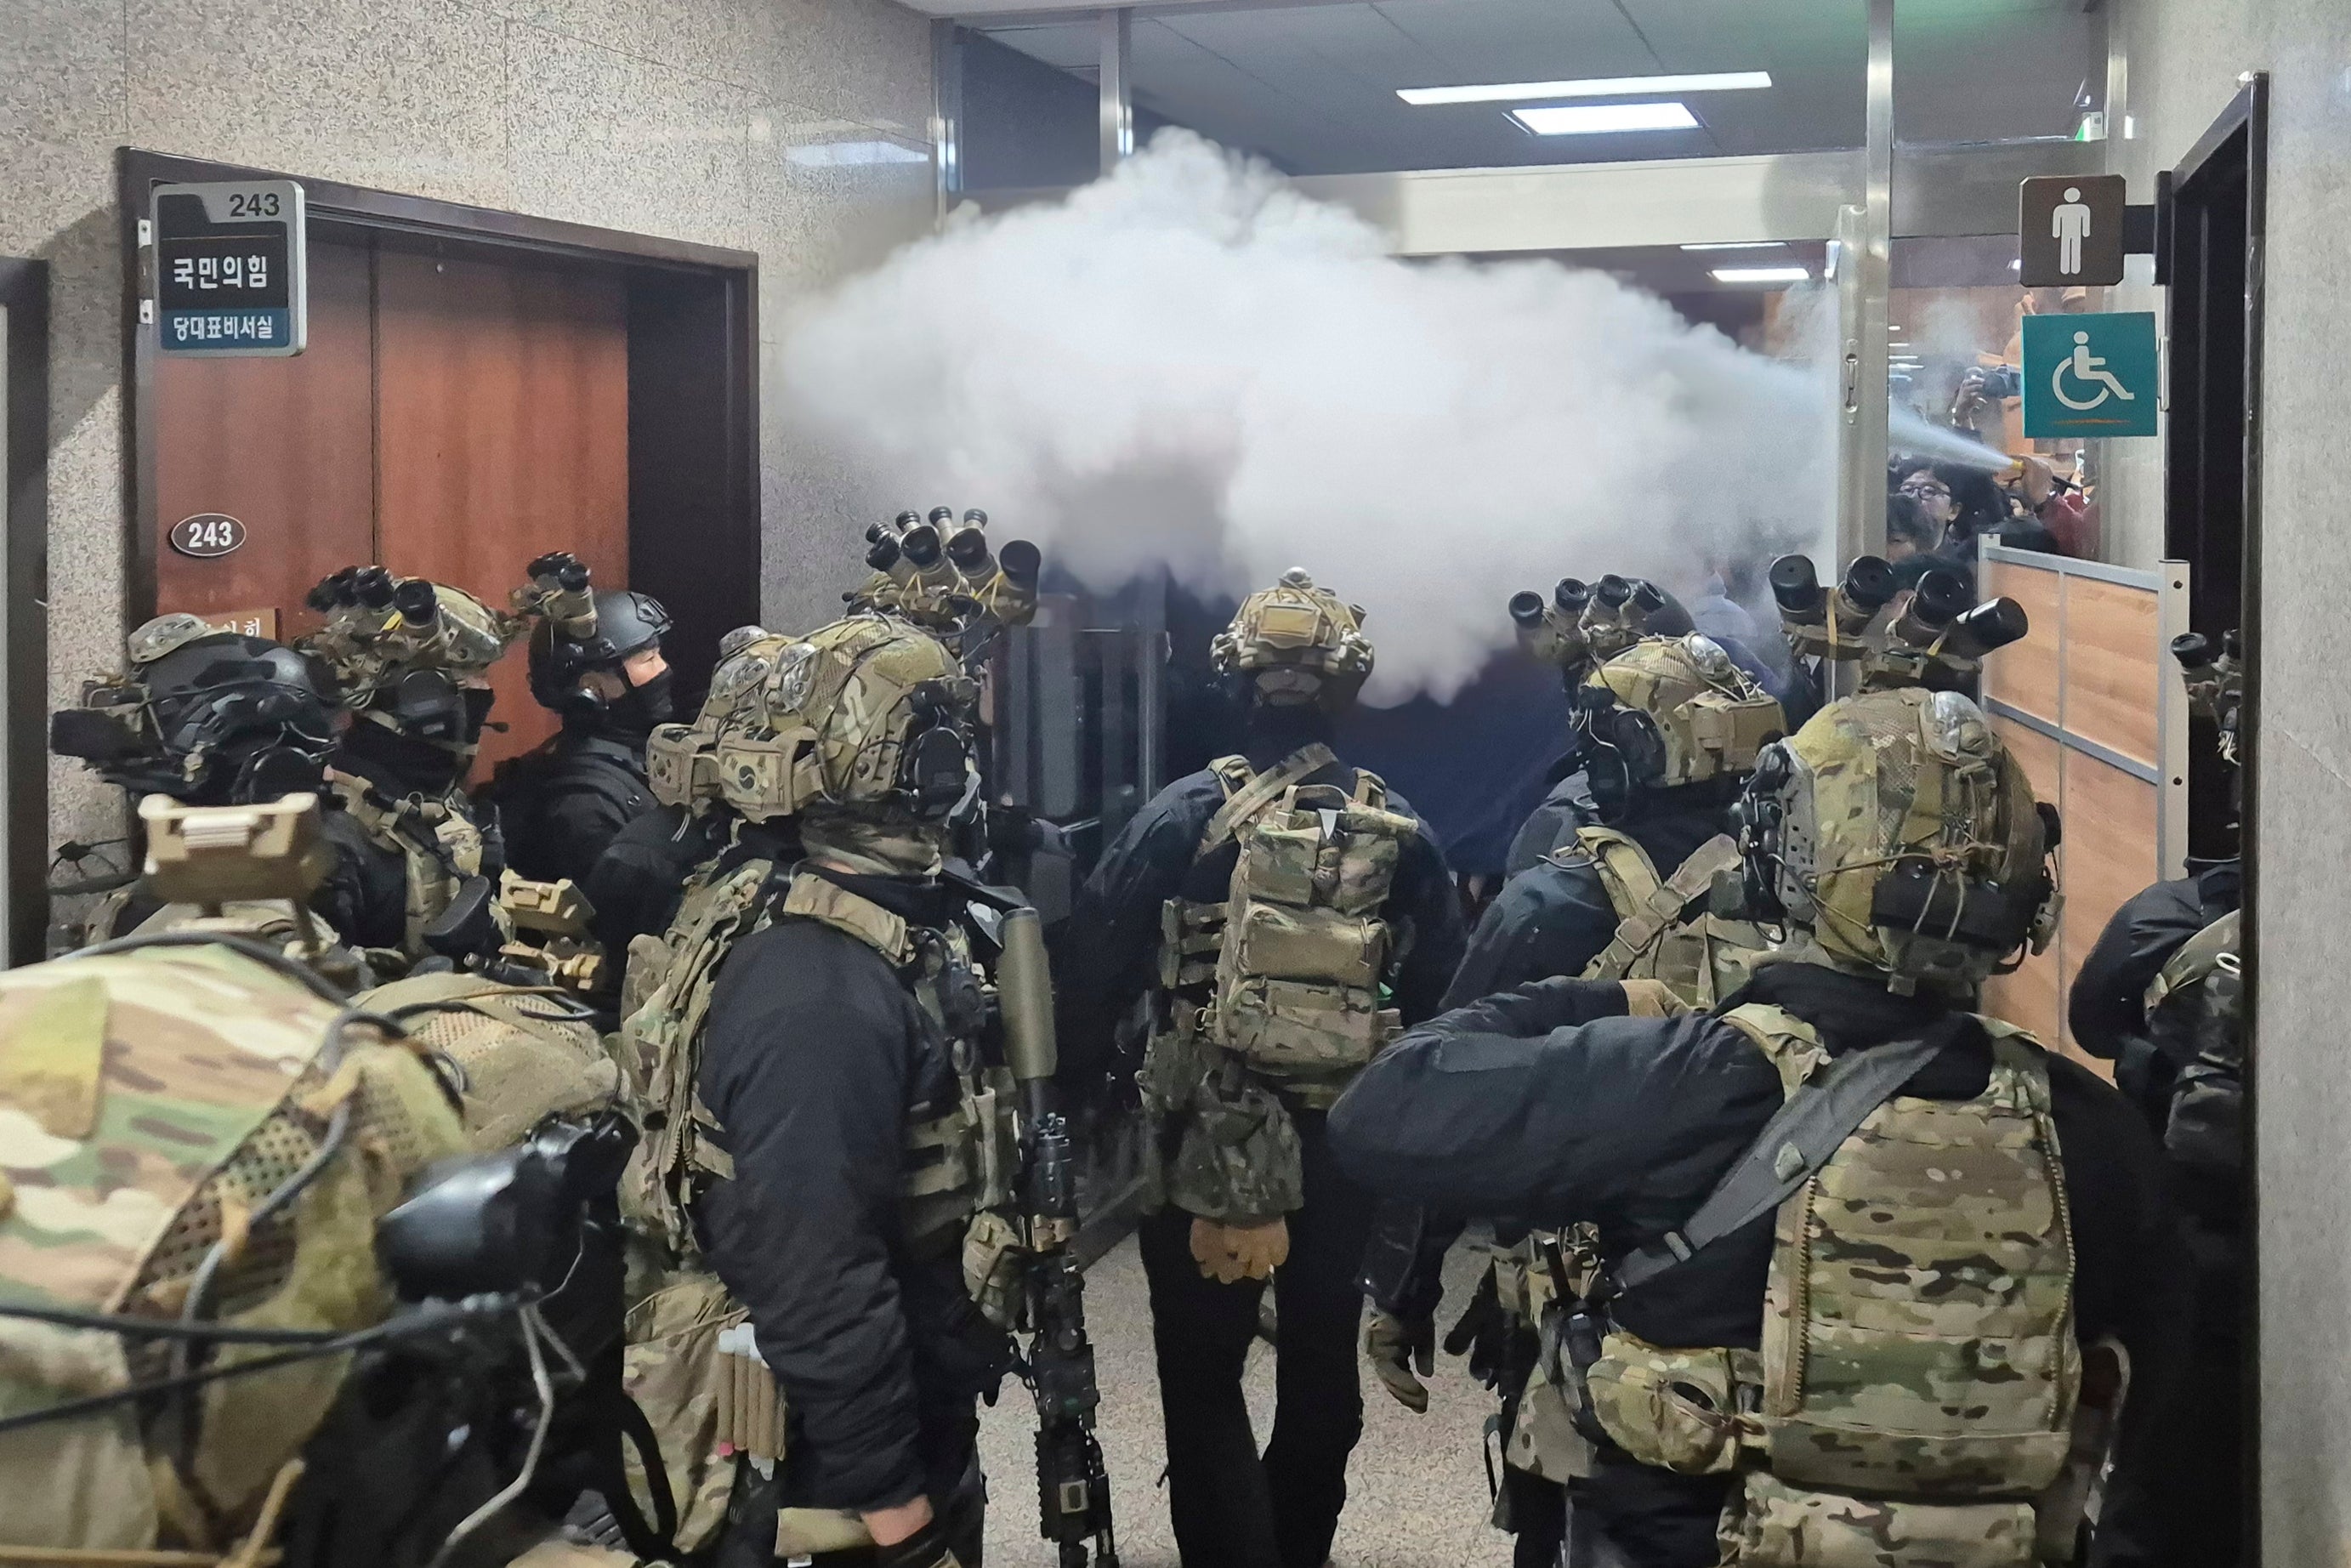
(229, 277)
(2069, 230)
(2090, 375)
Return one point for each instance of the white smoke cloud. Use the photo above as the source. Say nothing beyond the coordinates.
(1190, 365)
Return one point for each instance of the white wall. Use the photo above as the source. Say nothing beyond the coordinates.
(2185, 57)
(677, 118)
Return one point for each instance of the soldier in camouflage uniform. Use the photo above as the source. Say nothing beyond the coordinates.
(2161, 997)
(1889, 1371)
(828, 1143)
(412, 659)
(1665, 729)
(1284, 913)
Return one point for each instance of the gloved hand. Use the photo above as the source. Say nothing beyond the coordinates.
(1651, 1000)
(1230, 1253)
(1393, 1346)
(1482, 1331)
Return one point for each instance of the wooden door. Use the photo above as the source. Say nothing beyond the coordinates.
(503, 433)
(452, 418)
(286, 447)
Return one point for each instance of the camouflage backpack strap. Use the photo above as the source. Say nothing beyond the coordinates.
(1656, 912)
(1247, 800)
(2213, 948)
(812, 897)
(1371, 789)
(1626, 873)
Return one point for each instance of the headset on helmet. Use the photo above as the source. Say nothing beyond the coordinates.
(207, 716)
(1297, 643)
(1669, 713)
(869, 716)
(1898, 832)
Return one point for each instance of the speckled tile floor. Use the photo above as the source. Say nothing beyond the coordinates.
(1416, 1487)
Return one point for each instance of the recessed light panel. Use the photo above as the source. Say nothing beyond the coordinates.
(1598, 119)
(1585, 86)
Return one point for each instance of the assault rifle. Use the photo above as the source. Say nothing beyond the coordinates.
(1072, 1486)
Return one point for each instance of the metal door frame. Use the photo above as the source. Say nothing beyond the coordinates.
(23, 606)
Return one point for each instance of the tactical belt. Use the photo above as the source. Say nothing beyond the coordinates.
(1805, 1133)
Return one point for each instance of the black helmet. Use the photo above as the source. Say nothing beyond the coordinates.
(627, 623)
(207, 716)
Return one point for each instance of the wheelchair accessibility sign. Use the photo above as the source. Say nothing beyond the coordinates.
(2090, 375)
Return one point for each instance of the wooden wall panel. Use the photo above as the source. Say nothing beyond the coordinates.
(2114, 660)
(287, 446)
(503, 395)
(2110, 848)
(2036, 754)
(2024, 675)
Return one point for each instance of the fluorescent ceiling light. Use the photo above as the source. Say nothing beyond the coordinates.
(848, 154)
(1762, 274)
(1586, 87)
(1596, 118)
(1739, 245)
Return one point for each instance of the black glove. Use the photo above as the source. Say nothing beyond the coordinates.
(1482, 1331)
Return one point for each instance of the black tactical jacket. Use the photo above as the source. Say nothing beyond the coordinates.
(1568, 806)
(814, 1059)
(2107, 1009)
(1545, 1105)
(562, 805)
(1554, 918)
(1108, 950)
(637, 883)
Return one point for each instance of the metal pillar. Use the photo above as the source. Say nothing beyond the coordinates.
(2117, 105)
(1117, 86)
(946, 113)
(1865, 270)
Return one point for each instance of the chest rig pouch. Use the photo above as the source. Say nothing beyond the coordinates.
(1915, 1390)
(441, 844)
(2195, 1014)
(1700, 958)
(692, 1361)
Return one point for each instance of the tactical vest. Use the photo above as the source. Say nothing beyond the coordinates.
(2195, 1014)
(1916, 1388)
(1701, 960)
(691, 1360)
(442, 846)
(149, 1101)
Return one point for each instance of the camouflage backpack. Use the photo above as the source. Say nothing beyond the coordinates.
(1276, 995)
(2195, 1014)
(1914, 1394)
(151, 1102)
(691, 1362)
(1701, 958)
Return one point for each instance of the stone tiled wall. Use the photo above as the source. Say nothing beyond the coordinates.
(687, 119)
(2186, 56)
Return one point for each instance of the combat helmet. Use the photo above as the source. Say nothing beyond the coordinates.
(1897, 831)
(1668, 712)
(204, 715)
(1297, 643)
(867, 716)
(411, 656)
(945, 576)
